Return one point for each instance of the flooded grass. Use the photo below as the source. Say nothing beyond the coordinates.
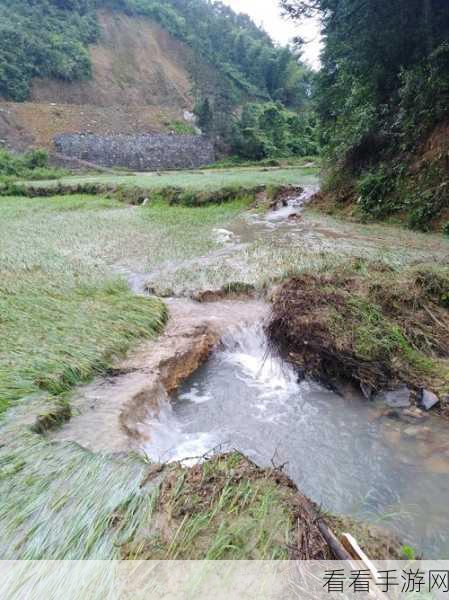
(224, 509)
(207, 180)
(64, 319)
(66, 313)
(65, 316)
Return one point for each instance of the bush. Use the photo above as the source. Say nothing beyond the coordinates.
(375, 189)
(35, 159)
(182, 128)
(446, 229)
(269, 131)
(32, 165)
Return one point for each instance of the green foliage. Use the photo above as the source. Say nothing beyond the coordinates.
(383, 86)
(31, 165)
(182, 128)
(409, 552)
(46, 38)
(50, 38)
(446, 229)
(269, 130)
(374, 187)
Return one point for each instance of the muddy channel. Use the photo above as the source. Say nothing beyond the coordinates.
(211, 384)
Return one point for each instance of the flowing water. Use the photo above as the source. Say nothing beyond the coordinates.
(341, 452)
(344, 453)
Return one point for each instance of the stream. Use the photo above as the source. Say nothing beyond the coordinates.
(344, 453)
(349, 455)
(341, 452)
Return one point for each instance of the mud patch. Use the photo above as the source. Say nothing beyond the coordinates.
(112, 413)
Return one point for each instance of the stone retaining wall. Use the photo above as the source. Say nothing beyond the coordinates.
(138, 152)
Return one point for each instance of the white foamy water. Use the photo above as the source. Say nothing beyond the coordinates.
(194, 395)
(247, 350)
(171, 443)
(339, 452)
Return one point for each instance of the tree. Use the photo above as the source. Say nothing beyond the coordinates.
(204, 114)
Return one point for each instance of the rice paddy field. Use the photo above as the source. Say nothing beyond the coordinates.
(204, 180)
(67, 311)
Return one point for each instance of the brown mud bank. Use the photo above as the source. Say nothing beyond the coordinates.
(111, 413)
(369, 324)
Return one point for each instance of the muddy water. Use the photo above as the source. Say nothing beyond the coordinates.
(341, 452)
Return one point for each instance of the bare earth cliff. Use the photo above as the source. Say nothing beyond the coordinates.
(140, 84)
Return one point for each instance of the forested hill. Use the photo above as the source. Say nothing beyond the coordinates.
(382, 100)
(50, 38)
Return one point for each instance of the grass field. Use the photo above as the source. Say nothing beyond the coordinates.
(65, 313)
(207, 180)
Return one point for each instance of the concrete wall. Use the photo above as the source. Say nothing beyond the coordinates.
(138, 152)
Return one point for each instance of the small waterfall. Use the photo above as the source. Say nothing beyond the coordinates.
(247, 350)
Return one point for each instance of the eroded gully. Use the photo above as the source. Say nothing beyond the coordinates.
(210, 383)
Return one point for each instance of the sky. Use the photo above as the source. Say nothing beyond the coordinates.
(268, 14)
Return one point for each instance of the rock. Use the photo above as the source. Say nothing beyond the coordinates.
(145, 201)
(159, 292)
(428, 400)
(231, 290)
(414, 413)
(384, 412)
(400, 398)
(393, 437)
(437, 464)
(391, 413)
(418, 433)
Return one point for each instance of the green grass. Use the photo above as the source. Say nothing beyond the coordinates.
(62, 319)
(207, 180)
(64, 315)
(101, 237)
(57, 332)
(225, 509)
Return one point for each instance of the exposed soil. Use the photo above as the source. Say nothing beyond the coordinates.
(367, 324)
(109, 414)
(140, 84)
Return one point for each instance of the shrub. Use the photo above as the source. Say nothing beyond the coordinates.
(375, 189)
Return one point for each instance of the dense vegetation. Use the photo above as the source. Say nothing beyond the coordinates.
(46, 38)
(269, 130)
(382, 90)
(31, 165)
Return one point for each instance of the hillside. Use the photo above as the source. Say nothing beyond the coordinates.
(140, 83)
(127, 66)
(382, 101)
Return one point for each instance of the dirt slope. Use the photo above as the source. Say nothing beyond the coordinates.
(140, 84)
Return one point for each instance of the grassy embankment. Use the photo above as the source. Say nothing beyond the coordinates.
(368, 322)
(180, 187)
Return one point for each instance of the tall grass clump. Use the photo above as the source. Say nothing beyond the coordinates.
(31, 165)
